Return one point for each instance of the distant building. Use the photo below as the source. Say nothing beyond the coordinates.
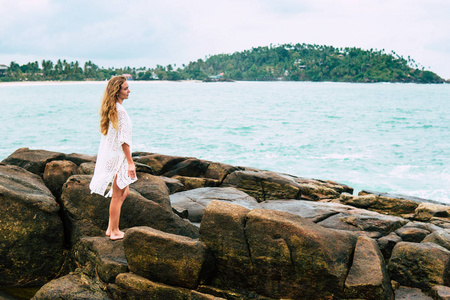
(128, 76)
(3, 69)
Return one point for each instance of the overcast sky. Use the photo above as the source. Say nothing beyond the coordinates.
(140, 33)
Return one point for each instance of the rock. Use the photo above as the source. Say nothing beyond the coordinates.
(313, 189)
(190, 167)
(166, 258)
(88, 214)
(294, 258)
(382, 204)
(406, 293)
(173, 184)
(191, 183)
(72, 287)
(142, 168)
(368, 278)
(132, 286)
(33, 161)
(160, 164)
(441, 238)
(387, 244)
(412, 234)
(87, 168)
(152, 188)
(426, 211)
(195, 201)
(219, 171)
(264, 185)
(101, 257)
(440, 292)
(338, 216)
(79, 159)
(32, 235)
(223, 231)
(56, 173)
(419, 265)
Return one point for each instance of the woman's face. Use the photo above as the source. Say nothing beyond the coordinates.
(124, 91)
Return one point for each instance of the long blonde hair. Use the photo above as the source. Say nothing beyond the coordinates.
(108, 111)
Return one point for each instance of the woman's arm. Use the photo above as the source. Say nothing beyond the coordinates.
(131, 166)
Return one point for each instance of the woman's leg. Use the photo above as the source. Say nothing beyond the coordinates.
(115, 206)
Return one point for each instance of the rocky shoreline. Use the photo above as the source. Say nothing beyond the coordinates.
(198, 229)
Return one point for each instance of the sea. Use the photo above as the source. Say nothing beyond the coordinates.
(392, 138)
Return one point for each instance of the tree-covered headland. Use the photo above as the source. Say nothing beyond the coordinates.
(299, 62)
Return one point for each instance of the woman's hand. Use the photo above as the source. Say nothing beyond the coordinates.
(131, 170)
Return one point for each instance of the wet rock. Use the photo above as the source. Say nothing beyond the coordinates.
(264, 185)
(99, 256)
(152, 188)
(387, 244)
(56, 174)
(441, 238)
(29, 219)
(368, 278)
(87, 214)
(72, 286)
(166, 258)
(195, 201)
(419, 265)
(33, 161)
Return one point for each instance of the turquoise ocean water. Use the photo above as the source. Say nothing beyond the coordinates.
(382, 137)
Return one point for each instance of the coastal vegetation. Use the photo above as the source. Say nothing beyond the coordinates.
(299, 62)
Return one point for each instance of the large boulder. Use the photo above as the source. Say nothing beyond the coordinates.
(314, 189)
(441, 238)
(160, 164)
(88, 214)
(195, 201)
(420, 265)
(100, 257)
(72, 286)
(427, 211)
(295, 258)
(33, 161)
(165, 257)
(276, 254)
(153, 188)
(36, 160)
(190, 167)
(56, 174)
(339, 216)
(223, 231)
(132, 286)
(32, 235)
(368, 278)
(264, 185)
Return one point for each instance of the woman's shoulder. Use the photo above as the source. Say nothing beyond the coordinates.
(120, 107)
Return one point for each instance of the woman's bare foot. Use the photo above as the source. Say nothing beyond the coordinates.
(108, 232)
(116, 235)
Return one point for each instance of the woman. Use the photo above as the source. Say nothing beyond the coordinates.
(114, 166)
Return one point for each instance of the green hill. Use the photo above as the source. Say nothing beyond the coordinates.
(299, 62)
(303, 62)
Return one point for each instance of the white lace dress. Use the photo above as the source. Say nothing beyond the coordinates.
(111, 160)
